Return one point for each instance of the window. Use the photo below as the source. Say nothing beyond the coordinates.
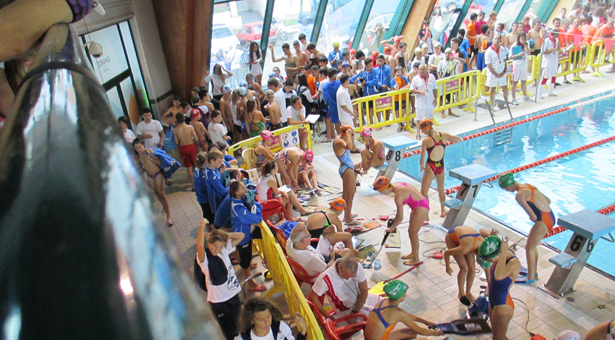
(340, 24)
(443, 19)
(290, 18)
(534, 8)
(378, 24)
(235, 25)
(118, 70)
(510, 11)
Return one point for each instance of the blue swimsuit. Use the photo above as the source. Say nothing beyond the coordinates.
(346, 163)
(498, 289)
(378, 310)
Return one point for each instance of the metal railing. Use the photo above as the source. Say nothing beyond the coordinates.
(81, 253)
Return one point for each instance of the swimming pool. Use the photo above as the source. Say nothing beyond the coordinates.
(584, 180)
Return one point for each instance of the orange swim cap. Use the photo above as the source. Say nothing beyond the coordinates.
(381, 183)
(338, 204)
(345, 128)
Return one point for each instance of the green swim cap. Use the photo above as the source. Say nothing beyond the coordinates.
(489, 248)
(506, 180)
(395, 289)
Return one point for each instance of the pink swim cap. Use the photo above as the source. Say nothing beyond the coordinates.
(366, 132)
(266, 134)
(309, 156)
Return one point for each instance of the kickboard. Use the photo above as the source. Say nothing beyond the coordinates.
(366, 226)
(465, 327)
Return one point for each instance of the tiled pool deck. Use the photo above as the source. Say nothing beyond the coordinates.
(432, 293)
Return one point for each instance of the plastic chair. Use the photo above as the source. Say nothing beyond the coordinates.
(273, 207)
(330, 325)
(300, 274)
(249, 158)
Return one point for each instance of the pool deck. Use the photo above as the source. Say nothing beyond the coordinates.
(433, 293)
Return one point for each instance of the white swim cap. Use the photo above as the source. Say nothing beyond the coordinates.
(568, 335)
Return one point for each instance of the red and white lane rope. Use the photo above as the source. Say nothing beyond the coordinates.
(522, 121)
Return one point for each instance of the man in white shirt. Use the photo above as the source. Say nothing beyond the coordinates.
(150, 131)
(344, 103)
(279, 98)
(299, 250)
(549, 63)
(495, 59)
(424, 88)
(345, 285)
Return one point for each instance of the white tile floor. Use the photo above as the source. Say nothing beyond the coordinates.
(432, 293)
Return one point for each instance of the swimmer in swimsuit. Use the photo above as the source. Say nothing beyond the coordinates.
(306, 172)
(341, 147)
(406, 194)
(291, 157)
(462, 243)
(263, 155)
(505, 268)
(373, 154)
(382, 319)
(326, 226)
(433, 148)
(537, 206)
(151, 165)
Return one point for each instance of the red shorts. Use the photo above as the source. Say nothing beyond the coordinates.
(188, 155)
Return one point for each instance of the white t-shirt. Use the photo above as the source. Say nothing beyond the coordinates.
(312, 261)
(418, 84)
(283, 333)
(129, 136)
(153, 128)
(280, 98)
(518, 62)
(443, 67)
(496, 60)
(231, 287)
(342, 293)
(217, 132)
(343, 98)
(218, 83)
(550, 59)
(294, 114)
(434, 59)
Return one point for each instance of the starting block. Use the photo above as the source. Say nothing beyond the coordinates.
(588, 227)
(396, 146)
(472, 177)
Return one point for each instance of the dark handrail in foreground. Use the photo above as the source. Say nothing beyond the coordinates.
(81, 254)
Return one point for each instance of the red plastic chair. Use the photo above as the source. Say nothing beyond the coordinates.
(272, 207)
(330, 325)
(300, 274)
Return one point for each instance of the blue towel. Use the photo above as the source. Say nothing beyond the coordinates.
(168, 164)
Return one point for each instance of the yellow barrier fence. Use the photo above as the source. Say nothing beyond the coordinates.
(387, 106)
(599, 57)
(285, 282)
(278, 136)
(462, 89)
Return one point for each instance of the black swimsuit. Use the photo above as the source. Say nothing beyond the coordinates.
(316, 233)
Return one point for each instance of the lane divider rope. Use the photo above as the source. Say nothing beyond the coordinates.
(519, 122)
(540, 162)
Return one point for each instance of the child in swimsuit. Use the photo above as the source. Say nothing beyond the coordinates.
(151, 164)
(505, 267)
(537, 206)
(382, 319)
(406, 194)
(435, 167)
(462, 243)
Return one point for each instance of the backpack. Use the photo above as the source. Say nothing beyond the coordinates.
(306, 103)
(199, 276)
(275, 329)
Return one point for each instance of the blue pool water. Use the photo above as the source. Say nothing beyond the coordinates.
(584, 180)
